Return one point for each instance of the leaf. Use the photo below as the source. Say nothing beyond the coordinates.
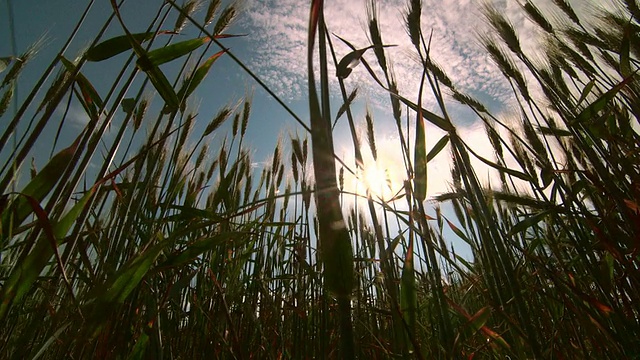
(437, 148)
(226, 36)
(420, 162)
(90, 100)
(4, 62)
(114, 46)
(480, 318)
(196, 249)
(128, 105)
(351, 60)
(23, 276)
(196, 78)
(62, 226)
(394, 243)
(336, 253)
(586, 91)
(164, 88)
(518, 174)
(478, 321)
(625, 63)
(553, 131)
(594, 108)
(140, 348)
(38, 188)
(527, 222)
(458, 232)
(25, 273)
(171, 52)
(420, 151)
(547, 176)
(183, 281)
(120, 285)
(156, 76)
(45, 224)
(436, 120)
(51, 340)
(408, 292)
(346, 104)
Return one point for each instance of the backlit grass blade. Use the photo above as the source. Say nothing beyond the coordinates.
(114, 46)
(171, 52)
(116, 289)
(49, 234)
(38, 188)
(436, 120)
(625, 63)
(512, 172)
(335, 244)
(437, 148)
(178, 241)
(24, 275)
(196, 78)
(196, 249)
(528, 222)
(459, 232)
(90, 99)
(140, 348)
(420, 152)
(336, 253)
(591, 111)
(408, 292)
(346, 104)
(53, 339)
(157, 78)
(478, 320)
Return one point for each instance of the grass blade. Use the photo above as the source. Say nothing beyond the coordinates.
(114, 46)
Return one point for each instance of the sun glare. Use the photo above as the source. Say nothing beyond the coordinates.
(379, 180)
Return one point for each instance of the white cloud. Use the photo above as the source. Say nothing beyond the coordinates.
(279, 38)
(279, 28)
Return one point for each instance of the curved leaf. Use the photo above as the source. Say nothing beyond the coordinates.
(38, 188)
(527, 222)
(196, 78)
(114, 46)
(171, 52)
(437, 148)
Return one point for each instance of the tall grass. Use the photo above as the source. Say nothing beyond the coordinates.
(175, 247)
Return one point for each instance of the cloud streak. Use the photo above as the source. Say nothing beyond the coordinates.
(279, 35)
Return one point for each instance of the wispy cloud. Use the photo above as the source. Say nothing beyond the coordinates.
(279, 53)
(279, 40)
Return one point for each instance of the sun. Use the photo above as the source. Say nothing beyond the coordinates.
(381, 176)
(378, 180)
